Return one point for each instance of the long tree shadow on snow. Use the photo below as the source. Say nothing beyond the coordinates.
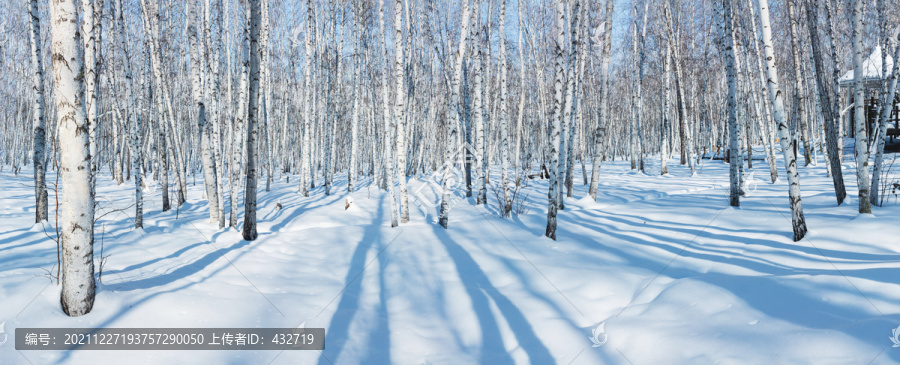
(815, 313)
(17, 241)
(66, 355)
(644, 232)
(183, 271)
(338, 330)
(297, 207)
(482, 292)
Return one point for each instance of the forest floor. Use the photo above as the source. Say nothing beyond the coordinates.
(660, 270)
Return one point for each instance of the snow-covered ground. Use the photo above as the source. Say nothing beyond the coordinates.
(660, 268)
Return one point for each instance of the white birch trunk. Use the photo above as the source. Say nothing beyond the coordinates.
(518, 159)
(354, 119)
(134, 124)
(835, 79)
(862, 151)
(568, 102)
(556, 119)
(90, 30)
(307, 101)
(506, 206)
(578, 48)
(228, 120)
(790, 161)
(600, 132)
(249, 232)
(638, 82)
(212, 90)
(454, 112)
(151, 16)
(39, 120)
(766, 118)
(825, 105)
(77, 209)
(684, 126)
(163, 163)
(199, 68)
(664, 146)
(799, 107)
(481, 162)
(389, 126)
(400, 116)
(329, 87)
(240, 151)
(117, 146)
(265, 92)
(734, 158)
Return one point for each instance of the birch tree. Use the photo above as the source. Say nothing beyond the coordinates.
(556, 118)
(684, 128)
(249, 230)
(835, 75)
(77, 209)
(638, 80)
(568, 102)
(825, 103)
(211, 88)
(354, 119)
(37, 115)
(799, 109)
(400, 114)
(477, 99)
(599, 132)
(150, 11)
(389, 124)
(307, 102)
(506, 205)
(579, 46)
(790, 161)
(91, 32)
(265, 92)
(521, 29)
(664, 145)
(198, 69)
(454, 114)
(240, 132)
(163, 162)
(329, 105)
(133, 123)
(862, 151)
(567, 134)
(733, 145)
(765, 120)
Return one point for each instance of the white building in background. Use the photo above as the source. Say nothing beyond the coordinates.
(873, 83)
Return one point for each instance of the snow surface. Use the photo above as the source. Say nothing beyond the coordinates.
(673, 275)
